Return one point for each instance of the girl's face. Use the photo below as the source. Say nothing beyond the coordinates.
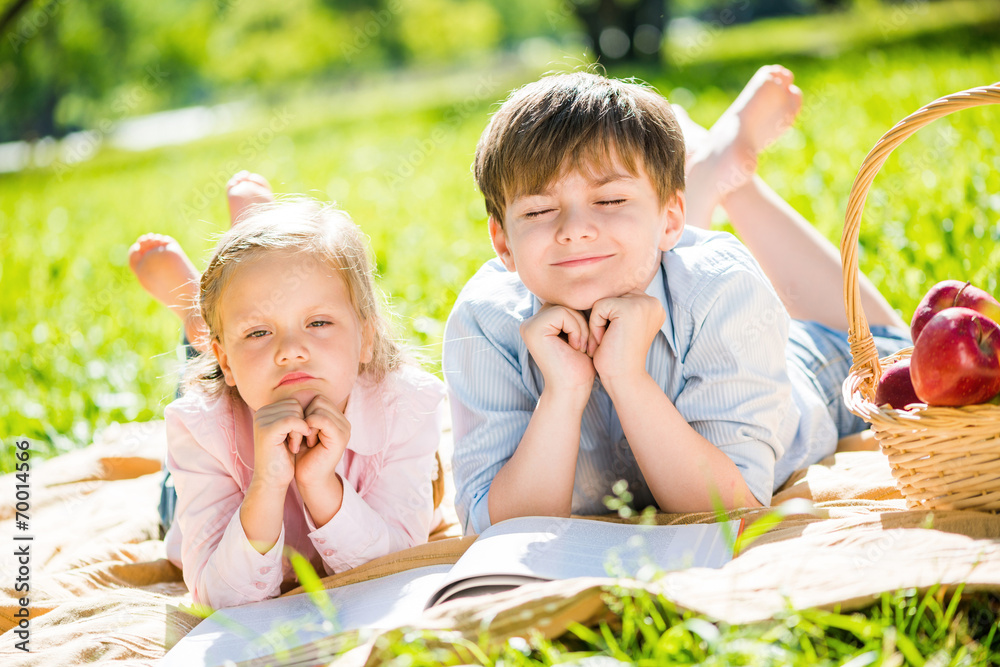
(289, 331)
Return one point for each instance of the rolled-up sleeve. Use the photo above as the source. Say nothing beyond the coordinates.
(736, 391)
(221, 567)
(394, 511)
(491, 405)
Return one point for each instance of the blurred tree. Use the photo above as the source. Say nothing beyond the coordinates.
(11, 13)
(440, 30)
(67, 65)
(624, 30)
(258, 42)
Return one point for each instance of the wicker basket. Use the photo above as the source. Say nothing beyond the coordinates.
(941, 458)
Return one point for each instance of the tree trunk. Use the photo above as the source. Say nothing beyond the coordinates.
(623, 31)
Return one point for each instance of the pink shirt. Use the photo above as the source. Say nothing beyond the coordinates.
(387, 470)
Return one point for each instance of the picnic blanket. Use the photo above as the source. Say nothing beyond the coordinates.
(102, 591)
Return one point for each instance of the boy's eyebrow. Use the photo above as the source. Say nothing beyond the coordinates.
(611, 178)
(596, 181)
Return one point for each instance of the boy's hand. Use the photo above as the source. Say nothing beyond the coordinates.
(622, 330)
(279, 430)
(557, 338)
(318, 457)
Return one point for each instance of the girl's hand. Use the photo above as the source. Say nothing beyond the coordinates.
(279, 431)
(317, 460)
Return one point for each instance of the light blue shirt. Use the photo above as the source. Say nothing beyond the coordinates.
(720, 356)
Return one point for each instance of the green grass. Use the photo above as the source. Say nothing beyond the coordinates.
(904, 628)
(936, 627)
(867, 23)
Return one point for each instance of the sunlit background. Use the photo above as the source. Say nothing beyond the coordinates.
(120, 117)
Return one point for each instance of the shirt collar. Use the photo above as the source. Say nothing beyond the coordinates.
(657, 288)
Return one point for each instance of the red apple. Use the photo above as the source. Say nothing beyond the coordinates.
(949, 294)
(895, 386)
(956, 360)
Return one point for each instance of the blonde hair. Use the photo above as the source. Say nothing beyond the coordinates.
(317, 230)
(582, 117)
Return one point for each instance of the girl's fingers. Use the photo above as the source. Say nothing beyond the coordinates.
(291, 430)
(330, 426)
(294, 440)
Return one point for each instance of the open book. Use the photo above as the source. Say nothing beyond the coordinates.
(504, 556)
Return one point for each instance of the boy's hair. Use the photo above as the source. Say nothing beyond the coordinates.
(320, 232)
(582, 117)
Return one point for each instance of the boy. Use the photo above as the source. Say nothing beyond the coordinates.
(608, 343)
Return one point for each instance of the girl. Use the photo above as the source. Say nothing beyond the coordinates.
(306, 431)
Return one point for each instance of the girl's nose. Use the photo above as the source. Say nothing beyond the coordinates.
(291, 347)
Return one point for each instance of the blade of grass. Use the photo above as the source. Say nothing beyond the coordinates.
(313, 586)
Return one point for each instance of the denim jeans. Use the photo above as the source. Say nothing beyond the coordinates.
(168, 496)
(826, 354)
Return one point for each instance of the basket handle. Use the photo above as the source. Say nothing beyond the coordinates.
(865, 355)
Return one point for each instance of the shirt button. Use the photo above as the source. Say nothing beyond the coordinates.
(320, 540)
(265, 570)
(328, 552)
(261, 585)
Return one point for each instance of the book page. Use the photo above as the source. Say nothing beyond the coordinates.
(263, 628)
(549, 548)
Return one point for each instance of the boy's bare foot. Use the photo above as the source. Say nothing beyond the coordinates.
(245, 189)
(165, 271)
(761, 113)
(695, 136)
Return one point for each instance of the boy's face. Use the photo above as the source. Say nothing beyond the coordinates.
(589, 235)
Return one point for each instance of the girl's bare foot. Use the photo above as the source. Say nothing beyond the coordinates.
(165, 271)
(761, 113)
(244, 190)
